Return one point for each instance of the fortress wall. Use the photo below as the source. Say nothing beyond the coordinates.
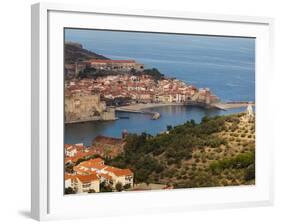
(86, 108)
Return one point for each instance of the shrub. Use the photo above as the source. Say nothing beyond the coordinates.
(250, 173)
(119, 187)
(241, 161)
(127, 186)
(69, 190)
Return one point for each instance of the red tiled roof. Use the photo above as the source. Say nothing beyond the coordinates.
(79, 155)
(97, 160)
(92, 163)
(69, 176)
(87, 178)
(119, 172)
(105, 176)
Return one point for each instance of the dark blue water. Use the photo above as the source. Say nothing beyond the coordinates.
(138, 123)
(224, 64)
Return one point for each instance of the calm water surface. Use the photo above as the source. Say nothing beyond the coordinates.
(138, 123)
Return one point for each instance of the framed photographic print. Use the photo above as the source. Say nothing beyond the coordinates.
(162, 111)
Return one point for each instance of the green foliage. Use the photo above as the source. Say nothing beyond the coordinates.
(175, 146)
(69, 168)
(80, 160)
(243, 160)
(104, 187)
(119, 187)
(127, 186)
(87, 73)
(250, 173)
(169, 127)
(69, 190)
(154, 73)
(161, 157)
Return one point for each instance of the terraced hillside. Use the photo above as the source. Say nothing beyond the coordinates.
(219, 151)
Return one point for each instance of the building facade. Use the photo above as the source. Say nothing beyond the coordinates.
(96, 169)
(115, 65)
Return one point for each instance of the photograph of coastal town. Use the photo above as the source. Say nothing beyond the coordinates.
(157, 111)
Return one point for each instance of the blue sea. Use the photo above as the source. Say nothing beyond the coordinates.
(226, 65)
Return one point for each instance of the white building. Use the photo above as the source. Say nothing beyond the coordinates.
(105, 173)
(83, 183)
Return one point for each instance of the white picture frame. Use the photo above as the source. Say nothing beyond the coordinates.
(48, 201)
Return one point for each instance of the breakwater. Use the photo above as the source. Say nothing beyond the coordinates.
(142, 108)
(155, 115)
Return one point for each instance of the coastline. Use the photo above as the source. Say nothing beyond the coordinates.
(221, 105)
(142, 108)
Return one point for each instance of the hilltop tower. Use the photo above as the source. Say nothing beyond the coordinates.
(249, 112)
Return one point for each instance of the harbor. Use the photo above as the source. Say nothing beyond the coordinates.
(143, 108)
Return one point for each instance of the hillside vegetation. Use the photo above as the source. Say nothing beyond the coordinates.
(74, 52)
(219, 151)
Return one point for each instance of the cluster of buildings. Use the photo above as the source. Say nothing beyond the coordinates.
(124, 66)
(142, 89)
(91, 173)
(90, 99)
(103, 146)
(115, 65)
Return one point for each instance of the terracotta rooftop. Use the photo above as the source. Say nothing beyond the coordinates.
(87, 178)
(105, 176)
(69, 176)
(119, 172)
(97, 163)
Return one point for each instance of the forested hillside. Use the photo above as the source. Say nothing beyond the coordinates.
(219, 151)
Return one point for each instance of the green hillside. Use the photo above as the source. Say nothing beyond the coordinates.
(219, 151)
(74, 52)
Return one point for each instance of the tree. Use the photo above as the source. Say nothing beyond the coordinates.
(104, 187)
(169, 127)
(205, 119)
(91, 191)
(127, 186)
(69, 190)
(119, 187)
(133, 71)
(154, 73)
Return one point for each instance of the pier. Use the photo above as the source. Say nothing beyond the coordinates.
(141, 107)
(155, 115)
(231, 105)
